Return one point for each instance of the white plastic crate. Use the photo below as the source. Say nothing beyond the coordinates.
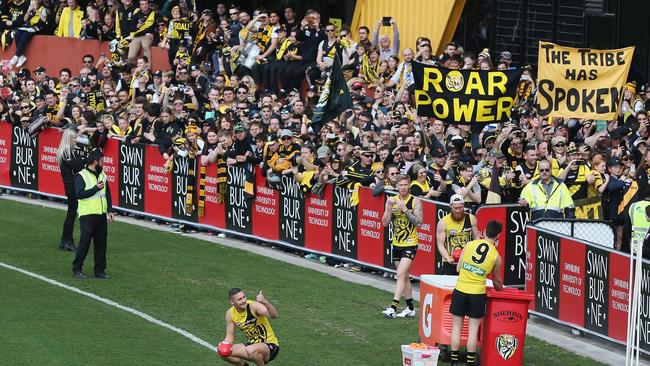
(419, 357)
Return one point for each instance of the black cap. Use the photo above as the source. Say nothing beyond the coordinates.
(438, 152)
(614, 161)
(84, 80)
(40, 69)
(619, 132)
(23, 73)
(157, 74)
(95, 155)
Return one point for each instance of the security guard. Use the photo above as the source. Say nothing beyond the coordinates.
(640, 222)
(94, 198)
(546, 196)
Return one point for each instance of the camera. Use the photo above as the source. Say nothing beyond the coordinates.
(181, 88)
(82, 140)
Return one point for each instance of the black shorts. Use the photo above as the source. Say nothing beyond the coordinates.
(404, 252)
(448, 269)
(275, 349)
(472, 305)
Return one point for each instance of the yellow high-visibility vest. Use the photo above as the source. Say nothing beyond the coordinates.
(95, 205)
(640, 223)
(559, 199)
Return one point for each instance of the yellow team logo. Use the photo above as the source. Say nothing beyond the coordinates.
(454, 81)
(507, 345)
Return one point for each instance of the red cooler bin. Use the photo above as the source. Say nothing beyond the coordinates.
(435, 319)
(504, 327)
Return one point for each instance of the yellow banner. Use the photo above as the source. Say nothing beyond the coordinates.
(581, 82)
(589, 208)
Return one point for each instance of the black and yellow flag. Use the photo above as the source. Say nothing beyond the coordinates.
(464, 96)
(334, 98)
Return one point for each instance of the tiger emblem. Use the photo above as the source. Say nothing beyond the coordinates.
(454, 81)
(507, 345)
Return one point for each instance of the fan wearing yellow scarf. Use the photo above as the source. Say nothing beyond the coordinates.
(283, 53)
(369, 69)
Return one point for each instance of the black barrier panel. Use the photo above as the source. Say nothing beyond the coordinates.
(239, 208)
(181, 180)
(644, 322)
(597, 288)
(441, 211)
(388, 237)
(344, 228)
(24, 160)
(515, 262)
(292, 209)
(547, 274)
(132, 174)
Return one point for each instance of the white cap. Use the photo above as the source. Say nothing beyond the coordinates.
(456, 198)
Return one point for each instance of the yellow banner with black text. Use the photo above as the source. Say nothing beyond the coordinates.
(589, 208)
(581, 82)
(464, 96)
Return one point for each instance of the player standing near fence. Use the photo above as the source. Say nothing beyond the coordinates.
(405, 212)
(478, 259)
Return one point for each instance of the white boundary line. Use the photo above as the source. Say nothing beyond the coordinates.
(106, 301)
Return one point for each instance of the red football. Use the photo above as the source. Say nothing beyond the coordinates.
(224, 348)
(456, 254)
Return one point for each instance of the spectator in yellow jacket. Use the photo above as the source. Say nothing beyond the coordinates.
(70, 21)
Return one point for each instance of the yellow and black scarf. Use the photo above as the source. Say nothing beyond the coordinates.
(283, 49)
(370, 72)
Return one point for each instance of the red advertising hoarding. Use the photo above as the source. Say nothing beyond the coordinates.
(49, 173)
(318, 221)
(157, 184)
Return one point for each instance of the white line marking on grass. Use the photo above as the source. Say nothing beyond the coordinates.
(142, 315)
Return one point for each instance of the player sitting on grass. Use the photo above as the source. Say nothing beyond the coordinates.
(252, 318)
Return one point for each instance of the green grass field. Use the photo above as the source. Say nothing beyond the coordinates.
(183, 281)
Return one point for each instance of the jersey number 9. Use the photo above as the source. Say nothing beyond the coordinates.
(481, 251)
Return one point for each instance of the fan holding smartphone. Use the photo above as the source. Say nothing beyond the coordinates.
(383, 42)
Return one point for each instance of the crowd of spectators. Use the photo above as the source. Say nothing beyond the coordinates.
(243, 84)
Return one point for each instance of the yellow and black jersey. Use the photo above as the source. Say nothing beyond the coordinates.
(117, 131)
(418, 189)
(286, 47)
(576, 181)
(477, 263)
(264, 37)
(145, 22)
(178, 29)
(15, 12)
(356, 173)
(257, 329)
(405, 234)
(457, 233)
